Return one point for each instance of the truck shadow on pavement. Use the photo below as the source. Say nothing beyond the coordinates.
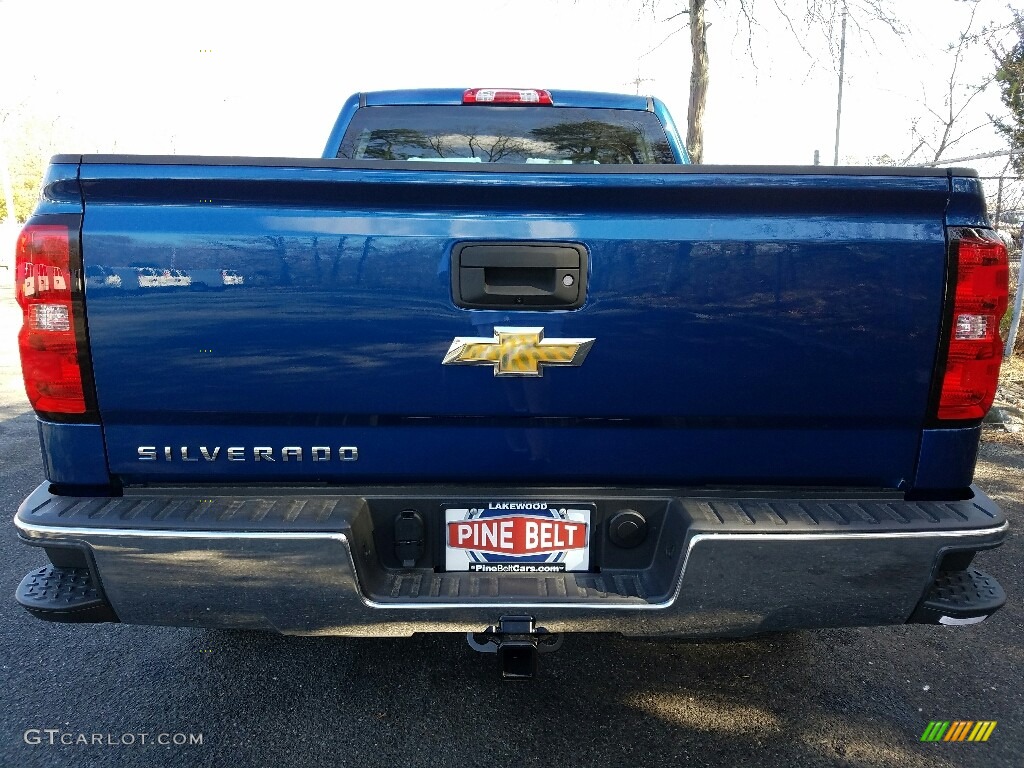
(793, 698)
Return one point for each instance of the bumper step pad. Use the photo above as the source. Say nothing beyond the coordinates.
(960, 597)
(63, 594)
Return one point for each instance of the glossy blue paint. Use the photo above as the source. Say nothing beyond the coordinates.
(60, 191)
(966, 203)
(453, 97)
(348, 109)
(948, 457)
(752, 327)
(73, 454)
(428, 451)
(675, 138)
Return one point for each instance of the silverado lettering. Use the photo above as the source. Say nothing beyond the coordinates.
(241, 453)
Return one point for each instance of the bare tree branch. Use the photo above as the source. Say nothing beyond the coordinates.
(820, 15)
(792, 28)
(668, 37)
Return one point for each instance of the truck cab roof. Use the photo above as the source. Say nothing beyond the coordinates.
(560, 99)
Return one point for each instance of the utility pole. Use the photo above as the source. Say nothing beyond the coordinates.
(842, 66)
(637, 80)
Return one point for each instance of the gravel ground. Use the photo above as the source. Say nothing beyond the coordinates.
(1008, 409)
(852, 697)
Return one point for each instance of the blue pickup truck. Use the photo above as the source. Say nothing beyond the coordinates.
(503, 363)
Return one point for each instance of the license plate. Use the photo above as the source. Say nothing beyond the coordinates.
(524, 537)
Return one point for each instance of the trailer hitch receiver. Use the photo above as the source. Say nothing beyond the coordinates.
(517, 641)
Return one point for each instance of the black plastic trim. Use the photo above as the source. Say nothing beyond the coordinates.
(673, 168)
(65, 595)
(330, 509)
(79, 552)
(70, 556)
(959, 595)
(561, 258)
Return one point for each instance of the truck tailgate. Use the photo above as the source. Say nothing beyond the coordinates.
(749, 328)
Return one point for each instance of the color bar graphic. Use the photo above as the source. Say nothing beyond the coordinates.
(935, 731)
(958, 730)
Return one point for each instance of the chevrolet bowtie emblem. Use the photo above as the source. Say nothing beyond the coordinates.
(517, 351)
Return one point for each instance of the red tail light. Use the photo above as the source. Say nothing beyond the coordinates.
(525, 96)
(48, 340)
(975, 350)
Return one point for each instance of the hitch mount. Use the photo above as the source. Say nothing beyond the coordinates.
(517, 640)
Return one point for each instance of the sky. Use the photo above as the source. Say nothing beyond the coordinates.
(267, 79)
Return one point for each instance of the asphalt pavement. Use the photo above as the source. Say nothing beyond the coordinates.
(146, 696)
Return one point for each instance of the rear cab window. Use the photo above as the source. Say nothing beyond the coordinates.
(506, 134)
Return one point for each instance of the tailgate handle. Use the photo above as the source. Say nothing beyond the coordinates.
(519, 275)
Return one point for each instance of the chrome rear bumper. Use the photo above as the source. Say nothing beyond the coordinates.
(722, 577)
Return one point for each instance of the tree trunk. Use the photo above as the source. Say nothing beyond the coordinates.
(698, 82)
(5, 182)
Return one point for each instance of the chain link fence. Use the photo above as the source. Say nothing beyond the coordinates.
(1004, 195)
(1012, 321)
